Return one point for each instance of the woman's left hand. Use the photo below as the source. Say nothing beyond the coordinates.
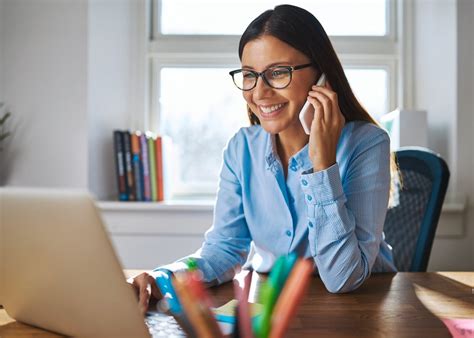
(326, 127)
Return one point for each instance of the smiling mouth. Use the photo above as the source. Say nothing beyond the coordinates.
(269, 111)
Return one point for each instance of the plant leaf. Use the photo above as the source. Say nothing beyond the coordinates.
(4, 136)
(4, 118)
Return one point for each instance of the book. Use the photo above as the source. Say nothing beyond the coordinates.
(120, 166)
(130, 180)
(136, 165)
(146, 167)
(170, 166)
(159, 168)
(152, 162)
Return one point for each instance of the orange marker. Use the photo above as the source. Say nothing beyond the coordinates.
(290, 297)
(194, 309)
(203, 300)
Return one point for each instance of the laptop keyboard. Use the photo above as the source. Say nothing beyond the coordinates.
(161, 325)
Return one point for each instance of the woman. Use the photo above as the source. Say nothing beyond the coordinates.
(322, 195)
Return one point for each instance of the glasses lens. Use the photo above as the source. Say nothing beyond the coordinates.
(278, 77)
(244, 79)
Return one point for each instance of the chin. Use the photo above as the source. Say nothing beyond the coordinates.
(273, 127)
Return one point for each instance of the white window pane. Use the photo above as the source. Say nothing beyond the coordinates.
(371, 88)
(200, 109)
(231, 17)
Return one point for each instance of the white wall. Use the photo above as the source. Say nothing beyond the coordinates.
(69, 74)
(1, 52)
(45, 85)
(111, 82)
(458, 252)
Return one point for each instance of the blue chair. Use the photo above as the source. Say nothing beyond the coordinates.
(411, 221)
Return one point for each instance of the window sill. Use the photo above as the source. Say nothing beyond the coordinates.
(208, 205)
(179, 205)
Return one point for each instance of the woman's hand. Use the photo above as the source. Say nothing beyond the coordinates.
(146, 290)
(326, 127)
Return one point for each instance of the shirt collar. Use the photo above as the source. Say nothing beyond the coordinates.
(300, 159)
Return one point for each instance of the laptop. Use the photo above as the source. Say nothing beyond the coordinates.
(59, 271)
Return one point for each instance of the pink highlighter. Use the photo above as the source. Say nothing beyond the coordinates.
(307, 112)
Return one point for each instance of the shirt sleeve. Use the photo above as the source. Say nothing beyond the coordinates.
(346, 221)
(227, 243)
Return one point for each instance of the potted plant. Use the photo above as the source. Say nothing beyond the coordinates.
(5, 156)
(3, 119)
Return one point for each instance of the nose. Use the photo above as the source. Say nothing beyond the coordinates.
(261, 89)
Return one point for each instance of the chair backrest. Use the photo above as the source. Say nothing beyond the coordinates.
(411, 222)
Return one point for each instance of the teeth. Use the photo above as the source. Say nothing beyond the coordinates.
(271, 109)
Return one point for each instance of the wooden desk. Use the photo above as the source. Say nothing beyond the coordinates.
(387, 305)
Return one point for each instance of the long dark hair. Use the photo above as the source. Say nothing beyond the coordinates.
(301, 30)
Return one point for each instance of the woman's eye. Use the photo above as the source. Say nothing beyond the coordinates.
(248, 75)
(279, 73)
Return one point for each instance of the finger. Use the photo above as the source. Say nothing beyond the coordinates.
(143, 300)
(332, 95)
(154, 288)
(327, 105)
(137, 280)
(135, 289)
(318, 109)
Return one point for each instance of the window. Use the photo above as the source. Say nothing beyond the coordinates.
(193, 45)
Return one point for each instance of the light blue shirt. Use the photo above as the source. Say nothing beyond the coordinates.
(334, 216)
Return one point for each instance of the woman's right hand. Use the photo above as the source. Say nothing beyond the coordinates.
(146, 290)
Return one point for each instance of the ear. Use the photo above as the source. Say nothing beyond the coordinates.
(328, 85)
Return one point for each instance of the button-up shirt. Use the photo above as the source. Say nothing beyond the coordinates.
(334, 216)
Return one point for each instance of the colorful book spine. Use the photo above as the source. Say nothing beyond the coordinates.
(120, 166)
(146, 167)
(152, 161)
(159, 168)
(137, 167)
(130, 179)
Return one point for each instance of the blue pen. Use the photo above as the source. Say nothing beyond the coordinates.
(164, 283)
(163, 280)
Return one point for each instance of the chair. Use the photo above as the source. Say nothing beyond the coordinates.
(411, 222)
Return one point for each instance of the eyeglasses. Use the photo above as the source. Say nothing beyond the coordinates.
(277, 77)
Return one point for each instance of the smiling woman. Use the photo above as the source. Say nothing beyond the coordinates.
(323, 196)
(192, 48)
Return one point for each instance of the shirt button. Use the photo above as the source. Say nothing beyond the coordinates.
(305, 183)
(310, 224)
(294, 165)
(309, 197)
(288, 233)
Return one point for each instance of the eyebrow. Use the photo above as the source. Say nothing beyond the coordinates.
(280, 63)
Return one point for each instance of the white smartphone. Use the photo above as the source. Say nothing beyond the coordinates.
(307, 112)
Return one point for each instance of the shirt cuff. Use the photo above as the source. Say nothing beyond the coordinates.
(322, 187)
(209, 277)
(174, 267)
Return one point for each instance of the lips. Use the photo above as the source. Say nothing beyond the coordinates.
(269, 111)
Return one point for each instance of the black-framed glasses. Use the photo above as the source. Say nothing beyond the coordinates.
(277, 77)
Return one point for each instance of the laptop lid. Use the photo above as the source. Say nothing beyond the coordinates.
(58, 269)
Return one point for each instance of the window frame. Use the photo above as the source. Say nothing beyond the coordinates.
(391, 52)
